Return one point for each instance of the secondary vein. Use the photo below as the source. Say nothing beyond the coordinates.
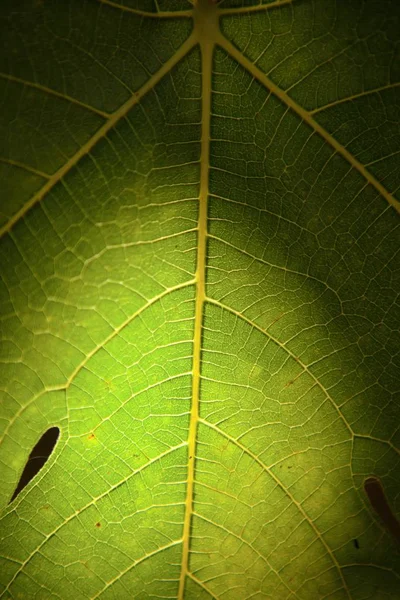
(241, 59)
(100, 133)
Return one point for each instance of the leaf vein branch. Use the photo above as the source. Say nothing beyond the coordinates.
(390, 86)
(168, 14)
(306, 117)
(101, 133)
(92, 502)
(319, 536)
(256, 8)
(134, 564)
(202, 585)
(278, 267)
(16, 163)
(90, 354)
(52, 92)
(263, 558)
(290, 353)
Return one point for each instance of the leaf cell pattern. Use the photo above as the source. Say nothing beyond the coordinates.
(199, 288)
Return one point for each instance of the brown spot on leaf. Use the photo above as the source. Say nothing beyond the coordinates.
(376, 495)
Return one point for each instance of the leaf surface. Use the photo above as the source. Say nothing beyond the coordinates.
(200, 280)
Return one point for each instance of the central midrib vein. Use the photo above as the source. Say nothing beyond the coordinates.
(206, 46)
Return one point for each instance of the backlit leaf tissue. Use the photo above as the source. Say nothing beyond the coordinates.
(199, 293)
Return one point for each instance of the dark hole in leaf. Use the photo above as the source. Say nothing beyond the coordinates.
(374, 490)
(356, 544)
(37, 458)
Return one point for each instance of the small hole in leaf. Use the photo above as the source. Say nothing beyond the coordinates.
(374, 490)
(37, 458)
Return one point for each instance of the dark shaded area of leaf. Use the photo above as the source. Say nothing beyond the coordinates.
(374, 490)
(37, 458)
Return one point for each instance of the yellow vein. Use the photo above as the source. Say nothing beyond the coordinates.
(289, 352)
(331, 59)
(390, 86)
(207, 47)
(134, 564)
(277, 267)
(92, 502)
(136, 395)
(137, 244)
(202, 585)
(52, 92)
(247, 451)
(16, 163)
(92, 352)
(250, 9)
(368, 565)
(378, 440)
(306, 117)
(381, 158)
(101, 133)
(249, 545)
(170, 14)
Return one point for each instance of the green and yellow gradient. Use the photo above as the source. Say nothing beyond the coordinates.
(199, 265)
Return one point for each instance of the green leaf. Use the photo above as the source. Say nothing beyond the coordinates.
(200, 279)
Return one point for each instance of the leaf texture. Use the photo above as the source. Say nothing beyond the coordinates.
(200, 280)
